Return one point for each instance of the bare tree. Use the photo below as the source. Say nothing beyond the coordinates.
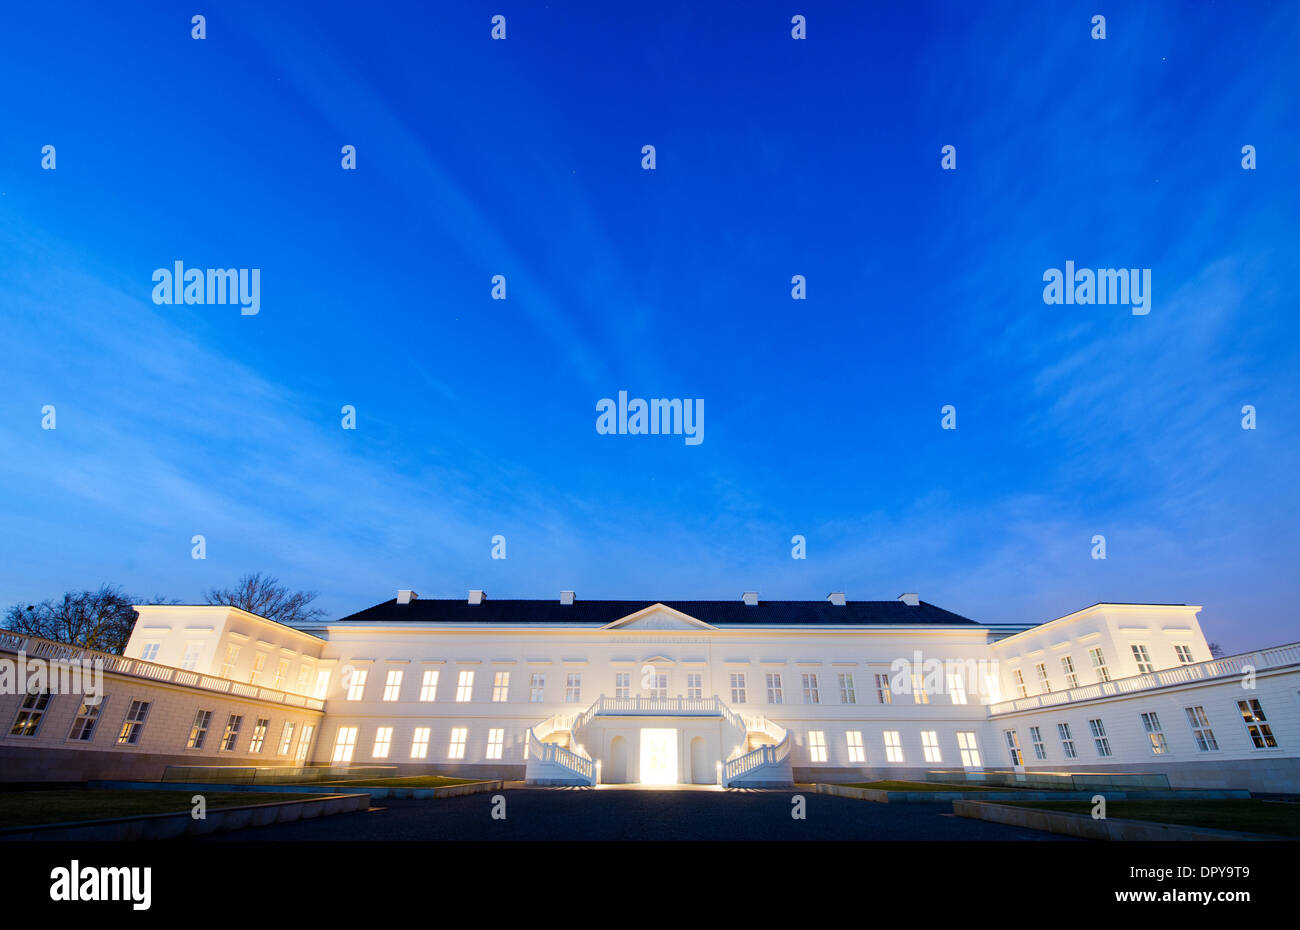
(1216, 651)
(100, 620)
(266, 597)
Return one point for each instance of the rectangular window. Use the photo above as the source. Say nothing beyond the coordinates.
(893, 746)
(695, 686)
(259, 663)
(1099, 737)
(83, 727)
(1044, 683)
(1013, 747)
(854, 740)
(1071, 676)
(774, 687)
(623, 685)
(970, 752)
(231, 736)
(393, 685)
(357, 684)
(930, 745)
(848, 694)
(816, 746)
(501, 687)
(1036, 740)
(429, 686)
(1184, 654)
(456, 745)
(1142, 659)
(344, 743)
(1261, 734)
(465, 687)
(304, 744)
(304, 676)
(883, 694)
(1151, 723)
(281, 674)
(420, 743)
(1205, 741)
(738, 688)
(992, 687)
(150, 651)
(228, 666)
(133, 725)
(495, 744)
(1067, 741)
(1019, 678)
(192, 652)
(537, 688)
(918, 689)
(659, 686)
(30, 714)
(383, 742)
(259, 734)
(811, 692)
(957, 687)
(286, 738)
(573, 687)
(322, 682)
(1099, 663)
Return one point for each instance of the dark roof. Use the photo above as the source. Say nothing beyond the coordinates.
(718, 613)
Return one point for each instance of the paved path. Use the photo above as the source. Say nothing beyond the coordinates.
(640, 814)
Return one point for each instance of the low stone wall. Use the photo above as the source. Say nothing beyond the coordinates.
(1085, 827)
(375, 792)
(172, 826)
(882, 796)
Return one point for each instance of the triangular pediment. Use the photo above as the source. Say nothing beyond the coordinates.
(658, 618)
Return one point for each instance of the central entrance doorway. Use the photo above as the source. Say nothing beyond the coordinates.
(658, 757)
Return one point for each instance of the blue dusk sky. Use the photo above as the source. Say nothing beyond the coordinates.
(774, 158)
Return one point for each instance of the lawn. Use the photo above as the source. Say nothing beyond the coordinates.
(25, 808)
(1276, 817)
(409, 781)
(917, 786)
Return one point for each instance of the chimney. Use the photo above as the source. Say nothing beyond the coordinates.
(566, 598)
(750, 598)
(476, 597)
(836, 598)
(405, 597)
(911, 600)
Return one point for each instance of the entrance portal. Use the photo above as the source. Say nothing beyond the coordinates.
(658, 757)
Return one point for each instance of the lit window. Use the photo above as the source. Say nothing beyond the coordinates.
(573, 688)
(133, 726)
(322, 683)
(738, 688)
(1071, 676)
(232, 656)
(930, 745)
(304, 676)
(383, 741)
(623, 685)
(429, 686)
(816, 746)
(1184, 654)
(83, 727)
(919, 694)
(456, 746)
(344, 744)
(992, 687)
(1261, 734)
(893, 746)
(1036, 740)
(1044, 683)
(970, 753)
(393, 685)
(465, 687)
(30, 714)
(286, 738)
(774, 687)
(199, 730)
(150, 651)
(848, 694)
(1099, 663)
(694, 686)
(231, 737)
(1142, 659)
(811, 692)
(1019, 678)
(537, 688)
(357, 684)
(1013, 747)
(259, 662)
(259, 734)
(883, 694)
(304, 744)
(1205, 741)
(420, 743)
(501, 687)
(192, 653)
(957, 688)
(1099, 737)
(856, 751)
(281, 674)
(1151, 723)
(496, 741)
(659, 686)
(1067, 741)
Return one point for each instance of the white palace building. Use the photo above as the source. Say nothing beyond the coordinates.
(731, 693)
